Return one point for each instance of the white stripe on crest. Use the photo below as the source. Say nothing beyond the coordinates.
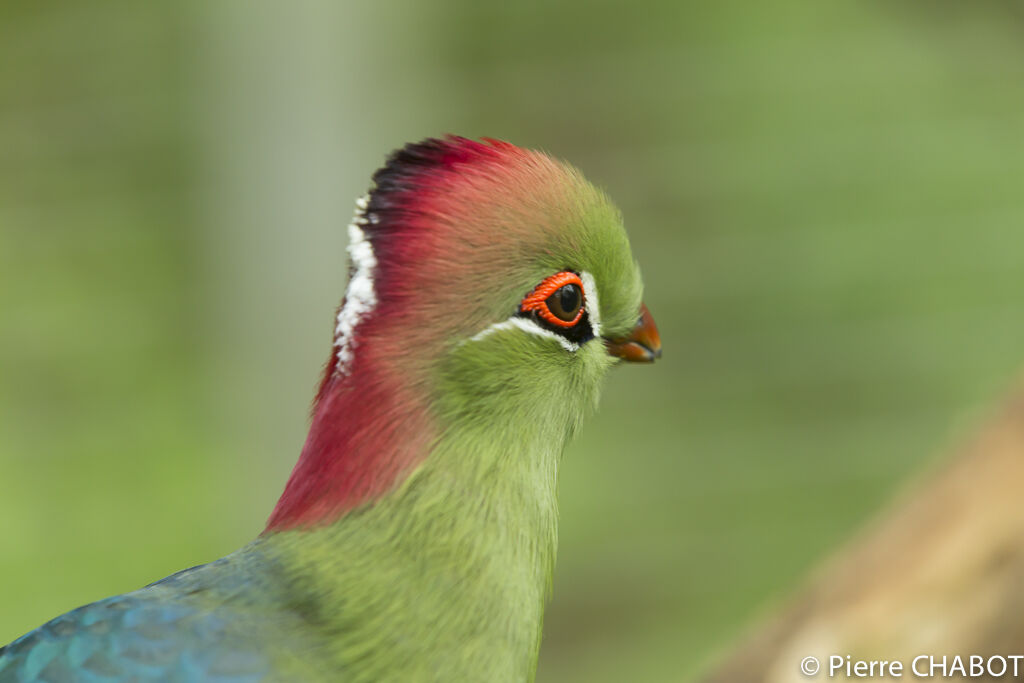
(360, 297)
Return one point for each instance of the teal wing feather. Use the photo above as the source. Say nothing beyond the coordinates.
(129, 638)
(217, 623)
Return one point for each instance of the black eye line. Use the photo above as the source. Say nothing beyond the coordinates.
(580, 333)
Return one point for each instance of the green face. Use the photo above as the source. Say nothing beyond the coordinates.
(539, 353)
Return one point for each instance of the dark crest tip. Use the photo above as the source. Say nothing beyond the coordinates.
(405, 167)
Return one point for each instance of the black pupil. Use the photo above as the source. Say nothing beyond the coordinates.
(565, 303)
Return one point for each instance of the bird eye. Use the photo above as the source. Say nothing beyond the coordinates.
(566, 302)
(558, 300)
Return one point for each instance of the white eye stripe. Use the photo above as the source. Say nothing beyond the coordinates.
(526, 325)
(590, 297)
(361, 296)
(531, 326)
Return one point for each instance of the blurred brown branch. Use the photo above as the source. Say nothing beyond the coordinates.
(942, 572)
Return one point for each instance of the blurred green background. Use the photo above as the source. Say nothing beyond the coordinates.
(826, 199)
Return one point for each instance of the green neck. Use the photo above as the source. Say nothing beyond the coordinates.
(446, 577)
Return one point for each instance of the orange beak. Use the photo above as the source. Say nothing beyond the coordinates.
(642, 345)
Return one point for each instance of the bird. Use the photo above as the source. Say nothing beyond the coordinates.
(491, 289)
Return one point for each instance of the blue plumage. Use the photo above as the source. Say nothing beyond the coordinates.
(129, 638)
(196, 625)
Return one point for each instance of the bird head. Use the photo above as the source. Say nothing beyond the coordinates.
(490, 287)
